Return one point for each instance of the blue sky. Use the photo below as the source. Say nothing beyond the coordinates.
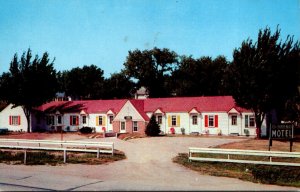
(101, 32)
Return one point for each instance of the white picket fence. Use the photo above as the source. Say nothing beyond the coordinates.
(56, 145)
(236, 152)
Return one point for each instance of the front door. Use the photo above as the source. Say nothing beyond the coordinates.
(233, 124)
(123, 127)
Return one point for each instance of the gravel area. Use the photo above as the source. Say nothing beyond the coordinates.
(148, 166)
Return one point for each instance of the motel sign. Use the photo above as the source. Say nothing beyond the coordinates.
(282, 131)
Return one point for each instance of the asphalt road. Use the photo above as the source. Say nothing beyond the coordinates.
(148, 166)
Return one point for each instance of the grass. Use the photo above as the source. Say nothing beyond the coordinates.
(56, 158)
(267, 174)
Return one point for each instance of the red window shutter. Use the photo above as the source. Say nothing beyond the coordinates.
(10, 120)
(216, 120)
(77, 120)
(71, 120)
(19, 120)
(206, 121)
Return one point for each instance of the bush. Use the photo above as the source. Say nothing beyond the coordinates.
(152, 128)
(86, 130)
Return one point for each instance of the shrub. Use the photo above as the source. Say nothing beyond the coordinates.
(152, 128)
(86, 130)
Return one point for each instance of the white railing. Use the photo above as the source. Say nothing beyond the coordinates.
(242, 153)
(56, 145)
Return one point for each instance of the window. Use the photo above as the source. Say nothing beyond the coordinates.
(50, 120)
(233, 120)
(159, 119)
(252, 121)
(59, 119)
(83, 119)
(173, 120)
(211, 121)
(249, 121)
(135, 126)
(15, 120)
(111, 118)
(74, 120)
(100, 120)
(194, 119)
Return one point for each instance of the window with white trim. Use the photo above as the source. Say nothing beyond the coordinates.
(194, 120)
(135, 126)
(83, 119)
(111, 118)
(100, 120)
(73, 120)
(15, 120)
(249, 121)
(233, 120)
(173, 120)
(50, 120)
(59, 119)
(211, 120)
(159, 119)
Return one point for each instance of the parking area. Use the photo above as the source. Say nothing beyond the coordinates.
(148, 166)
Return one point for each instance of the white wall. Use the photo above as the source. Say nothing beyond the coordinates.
(128, 110)
(9, 111)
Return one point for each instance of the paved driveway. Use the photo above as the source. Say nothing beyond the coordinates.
(148, 166)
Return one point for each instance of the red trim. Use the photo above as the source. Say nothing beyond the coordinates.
(77, 120)
(10, 120)
(19, 120)
(206, 120)
(216, 121)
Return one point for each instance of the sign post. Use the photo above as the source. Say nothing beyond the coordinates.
(281, 132)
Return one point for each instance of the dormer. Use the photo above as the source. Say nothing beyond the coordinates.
(233, 111)
(194, 110)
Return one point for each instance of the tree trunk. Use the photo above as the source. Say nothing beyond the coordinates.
(259, 118)
(27, 114)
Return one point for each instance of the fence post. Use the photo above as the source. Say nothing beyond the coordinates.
(65, 156)
(98, 151)
(25, 156)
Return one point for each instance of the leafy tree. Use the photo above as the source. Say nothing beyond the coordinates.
(118, 86)
(203, 76)
(151, 68)
(152, 128)
(29, 83)
(263, 75)
(83, 83)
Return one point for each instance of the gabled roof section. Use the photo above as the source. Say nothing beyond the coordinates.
(233, 110)
(159, 110)
(89, 106)
(139, 106)
(194, 110)
(185, 104)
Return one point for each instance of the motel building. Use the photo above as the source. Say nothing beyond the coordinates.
(216, 115)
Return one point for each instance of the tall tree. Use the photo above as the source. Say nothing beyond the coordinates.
(151, 68)
(118, 86)
(264, 74)
(203, 76)
(83, 83)
(29, 83)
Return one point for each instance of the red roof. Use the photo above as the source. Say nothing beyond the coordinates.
(89, 106)
(185, 104)
(174, 104)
